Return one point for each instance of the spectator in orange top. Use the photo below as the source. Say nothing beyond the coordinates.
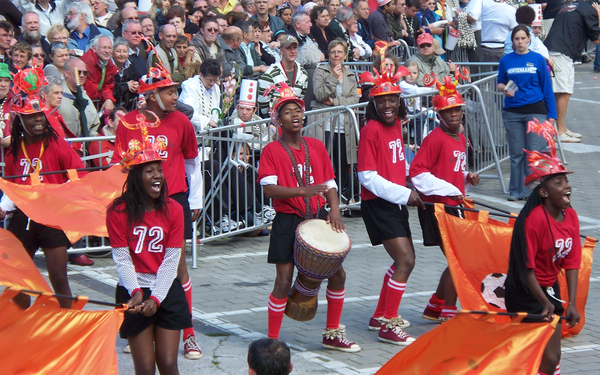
(106, 148)
(100, 83)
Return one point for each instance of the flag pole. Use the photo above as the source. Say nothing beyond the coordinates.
(511, 314)
(76, 298)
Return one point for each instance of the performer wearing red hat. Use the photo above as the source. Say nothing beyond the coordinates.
(438, 172)
(545, 239)
(382, 171)
(145, 228)
(171, 127)
(35, 148)
(296, 172)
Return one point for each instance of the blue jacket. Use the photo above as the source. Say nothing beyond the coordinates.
(94, 31)
(530, 73)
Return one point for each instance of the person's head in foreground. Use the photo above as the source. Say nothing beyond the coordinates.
(269, 357)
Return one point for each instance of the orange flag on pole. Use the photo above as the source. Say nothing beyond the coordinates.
(77, 207)
(467, 345)
(51, 340)
(477, 249)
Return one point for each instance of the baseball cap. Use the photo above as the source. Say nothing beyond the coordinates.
(424, 38)
(288, 41)
(382, 2)
(437, 48)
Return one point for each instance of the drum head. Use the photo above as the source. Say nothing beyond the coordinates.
(318, 234)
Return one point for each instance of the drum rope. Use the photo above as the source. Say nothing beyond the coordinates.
(306, 291)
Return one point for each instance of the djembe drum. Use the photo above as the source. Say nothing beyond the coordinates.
(318, 254)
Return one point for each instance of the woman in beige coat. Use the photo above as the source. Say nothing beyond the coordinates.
(335, 85)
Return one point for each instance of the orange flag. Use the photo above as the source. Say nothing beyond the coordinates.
(77, 207)
(467, 345)
(51, 340)
(583, 287)
(477, 249)
(16, 267)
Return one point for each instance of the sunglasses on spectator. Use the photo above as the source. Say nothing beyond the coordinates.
(425, 45)
(211, 30)
(135, 32)
(39, 55)
(84, 73)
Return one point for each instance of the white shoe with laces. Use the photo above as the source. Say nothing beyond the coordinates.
(573, 134)
(565, 138)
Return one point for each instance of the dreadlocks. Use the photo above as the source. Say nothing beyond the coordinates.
(16, 135)
(371, 111)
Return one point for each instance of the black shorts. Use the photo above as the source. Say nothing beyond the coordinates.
(173, 313)
(38, 235)
(429, 224)
(518, 300)
(283, 235)
(384, 220)
(182, 199)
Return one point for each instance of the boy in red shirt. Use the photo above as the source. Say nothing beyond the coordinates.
(545, 239)
(172, 128)
(438, 172)
(297, 197)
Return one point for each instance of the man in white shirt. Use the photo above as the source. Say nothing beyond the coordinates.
(474, 18)
(497, 20)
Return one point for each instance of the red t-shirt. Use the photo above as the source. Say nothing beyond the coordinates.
(177, 132)
(445, 158)
(547, 258)
(101, 147)
(274, 161)
(56, 157)
(381, 149)
(147, 240)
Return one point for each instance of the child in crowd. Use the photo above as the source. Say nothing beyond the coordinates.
(418, 120)
(545, 239)
(438, 172)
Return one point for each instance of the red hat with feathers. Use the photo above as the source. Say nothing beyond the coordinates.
(385, 83)
(27, 84)
(144, 151)
(543, 164)
(449, 97)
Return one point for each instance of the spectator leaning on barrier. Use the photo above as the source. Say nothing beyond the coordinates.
(566, 41)
(80, 21)
(50, 12)
(100, 83)
(287, 70)
(166, 54)
(203, 94)
(428, 61)
(67, 107)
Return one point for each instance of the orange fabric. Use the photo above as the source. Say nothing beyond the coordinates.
(476, 247)
(469, 345)
(16, 267)
(583, 286)
(51, 340)
(77, 207)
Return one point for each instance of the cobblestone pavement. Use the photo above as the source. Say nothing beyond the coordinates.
(233, 280)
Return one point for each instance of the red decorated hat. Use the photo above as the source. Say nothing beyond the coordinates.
(140, 152)
(386, 82)
(283, 94)
(158, 77)
(27, 84)
(449, 97)
(543, 164)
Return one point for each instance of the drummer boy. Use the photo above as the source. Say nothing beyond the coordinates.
(298, 196)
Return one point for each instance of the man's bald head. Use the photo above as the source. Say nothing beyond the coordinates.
(168, 36)
(232, 36)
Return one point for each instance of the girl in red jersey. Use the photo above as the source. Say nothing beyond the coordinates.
(297, 197)
(545, 239)
(145, 228)
(438, 172)
(35, 148)
(382, 171)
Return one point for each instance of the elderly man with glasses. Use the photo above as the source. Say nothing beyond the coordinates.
(132, 32)
(206, 43)
(76, 72)
(100, 83)
(80, 20)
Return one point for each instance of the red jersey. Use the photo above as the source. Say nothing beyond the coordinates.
(275, 161)
(177, 132)
(381, 149)
(445, 158)
(56, 157)
(147, 241)
(545, 256)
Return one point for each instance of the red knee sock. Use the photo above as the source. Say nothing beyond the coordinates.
(187, 288)
(448, 311)
(435, 304)
(335, 305)
(557, 371)
(395, 290)
(380, 310)
(276, 312)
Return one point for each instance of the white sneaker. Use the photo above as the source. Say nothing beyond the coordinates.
(565, 138)
(227, 224)
(573, 134)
